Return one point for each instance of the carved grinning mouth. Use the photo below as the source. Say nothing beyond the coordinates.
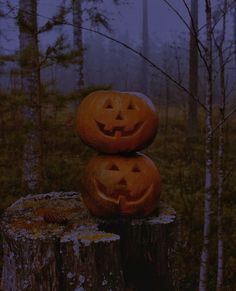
(119, 131)
(118, 195)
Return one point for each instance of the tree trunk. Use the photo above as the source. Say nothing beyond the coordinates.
(167, 85)
(31, 85)
(221, 177)
(147, 250)
(78, 42)
(208, 153)
(46, 247)
(145, 47)
(234, 16)
(193, 72)
(52, 243)
(221, 151)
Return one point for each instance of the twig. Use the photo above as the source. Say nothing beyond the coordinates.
(223, 120)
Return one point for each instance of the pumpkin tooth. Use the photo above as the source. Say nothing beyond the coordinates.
(108, 127)
(101, 127)
(118, 133)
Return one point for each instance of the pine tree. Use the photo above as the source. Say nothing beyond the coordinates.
(78, 42)
(31, 86)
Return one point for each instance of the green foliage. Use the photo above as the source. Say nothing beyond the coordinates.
(58, 52)
(56, 20)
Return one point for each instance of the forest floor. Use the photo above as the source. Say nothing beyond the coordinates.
(181, 165)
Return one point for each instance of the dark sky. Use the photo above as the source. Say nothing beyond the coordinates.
(164, 25)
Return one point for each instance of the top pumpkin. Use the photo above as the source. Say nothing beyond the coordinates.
(115, 122)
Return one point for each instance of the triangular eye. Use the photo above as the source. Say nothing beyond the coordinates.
(108, 104)
(131, 105)
(113, 167)
(136, 169)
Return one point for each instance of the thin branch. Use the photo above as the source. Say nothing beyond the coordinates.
(223, 120)
(219, 19)
(194, 32)
(139, 54)
(148, 61)
(152, 64)
(178, 14)
(9, 58)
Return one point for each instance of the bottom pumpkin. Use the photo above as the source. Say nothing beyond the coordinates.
(121, 185)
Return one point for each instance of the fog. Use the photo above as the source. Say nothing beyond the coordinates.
(109, 63)
(164, 24)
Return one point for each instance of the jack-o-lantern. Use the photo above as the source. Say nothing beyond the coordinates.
(114, 122)
(121, 185)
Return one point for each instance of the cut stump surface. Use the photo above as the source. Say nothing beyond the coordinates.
(51, 242)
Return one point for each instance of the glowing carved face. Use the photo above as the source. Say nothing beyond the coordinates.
(116, 122)
(116, 185)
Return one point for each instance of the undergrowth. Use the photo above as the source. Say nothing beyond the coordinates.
(181, 165)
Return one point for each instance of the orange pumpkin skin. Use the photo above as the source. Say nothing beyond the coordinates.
(121, 186)
(115, 122)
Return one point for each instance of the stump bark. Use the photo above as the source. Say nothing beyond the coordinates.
(51, 242)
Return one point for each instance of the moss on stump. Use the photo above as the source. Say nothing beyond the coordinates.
(51, 242)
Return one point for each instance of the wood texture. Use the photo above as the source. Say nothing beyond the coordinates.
(52, 243)
(147, 249)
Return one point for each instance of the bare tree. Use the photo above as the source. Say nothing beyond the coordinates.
(221, 174)
(208, 61)
(97, 18)
(234, 19)
(31, 84)
(219, 44)
(208, 150)
(193, 71)
(145, 46)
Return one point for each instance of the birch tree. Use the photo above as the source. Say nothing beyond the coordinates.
(220, 169)
(208, 62)
(219, 44)
(208, 150)
(31, 84)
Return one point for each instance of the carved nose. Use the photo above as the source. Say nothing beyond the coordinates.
(122, 182)
(119, 116)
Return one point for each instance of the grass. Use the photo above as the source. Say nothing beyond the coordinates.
(181, 166)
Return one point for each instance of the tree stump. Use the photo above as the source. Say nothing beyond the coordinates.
(51, 242)
(147, 249)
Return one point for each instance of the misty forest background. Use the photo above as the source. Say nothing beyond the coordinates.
(49, 63)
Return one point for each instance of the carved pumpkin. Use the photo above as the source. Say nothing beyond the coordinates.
(114, 122)
(119, 185)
